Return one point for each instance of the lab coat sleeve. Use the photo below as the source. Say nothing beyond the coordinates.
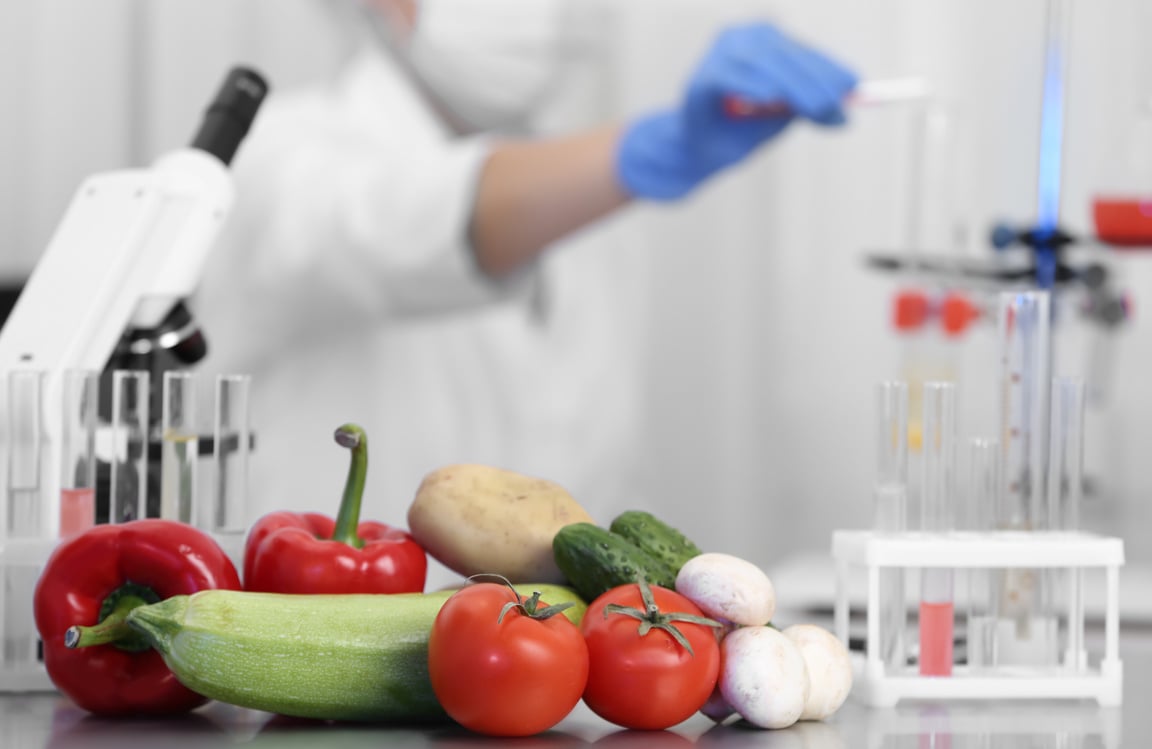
(346, 217)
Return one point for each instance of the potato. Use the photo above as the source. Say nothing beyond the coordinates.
(478, 519)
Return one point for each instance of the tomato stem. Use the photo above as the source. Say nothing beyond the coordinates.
(652, 618)
(529, 607)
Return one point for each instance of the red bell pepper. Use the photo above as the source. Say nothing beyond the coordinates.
(290, 552)
(87, 587)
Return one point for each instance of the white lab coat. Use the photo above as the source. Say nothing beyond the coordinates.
(344, 285)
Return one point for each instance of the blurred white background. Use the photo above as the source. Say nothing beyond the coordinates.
(767, 330)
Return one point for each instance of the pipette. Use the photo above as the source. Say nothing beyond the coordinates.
(1025, 366)
(868, 93)
(937, 516)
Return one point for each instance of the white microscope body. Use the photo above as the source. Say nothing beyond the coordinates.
(130, 249)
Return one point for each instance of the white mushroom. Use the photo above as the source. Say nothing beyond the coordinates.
(829, 669)
(763, 676)
(728, 588)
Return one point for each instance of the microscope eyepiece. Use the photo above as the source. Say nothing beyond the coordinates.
(231, 113)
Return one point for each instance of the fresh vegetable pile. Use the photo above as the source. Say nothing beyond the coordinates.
(332, 622)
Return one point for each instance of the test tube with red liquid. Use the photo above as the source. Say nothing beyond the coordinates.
(867, 93)
(79, 394)
(937, 613)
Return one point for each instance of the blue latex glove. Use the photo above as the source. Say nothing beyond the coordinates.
(665, 155)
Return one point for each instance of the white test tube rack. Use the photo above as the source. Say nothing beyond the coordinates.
(881, 686)
(22, 560)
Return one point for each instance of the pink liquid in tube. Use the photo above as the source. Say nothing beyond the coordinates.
(936, 611)
(77, 511)
(936, 622)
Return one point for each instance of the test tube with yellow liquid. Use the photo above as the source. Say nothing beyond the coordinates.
(179, 447)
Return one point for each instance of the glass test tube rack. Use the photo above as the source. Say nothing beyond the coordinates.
(223, 514)
(880, 685)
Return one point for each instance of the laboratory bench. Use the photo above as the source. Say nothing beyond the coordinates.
(32, 721)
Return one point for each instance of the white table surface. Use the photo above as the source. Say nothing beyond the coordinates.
(32, 721)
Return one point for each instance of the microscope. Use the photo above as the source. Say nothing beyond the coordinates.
(109, 291)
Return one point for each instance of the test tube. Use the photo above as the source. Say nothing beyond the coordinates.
(1025, 366)
(937, 516)
(179, 447)
(1065, 489)
(79, 396)
(1066, 453)
(129, 475)
(890, 497)
(25, 454)
(23, 518)
(891, 489)
(983, 485)
(229, 513)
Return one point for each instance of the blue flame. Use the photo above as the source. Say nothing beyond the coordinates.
(1051, 141)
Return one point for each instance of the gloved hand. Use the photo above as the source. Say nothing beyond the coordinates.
(665, 155)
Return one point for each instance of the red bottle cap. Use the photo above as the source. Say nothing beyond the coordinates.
(957, 313)
(909, 309)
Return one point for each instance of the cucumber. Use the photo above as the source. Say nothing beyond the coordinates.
(596, 560)
(656, 537)
(358, 657)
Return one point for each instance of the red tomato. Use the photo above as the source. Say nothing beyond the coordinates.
(648, 681)
(515, 676)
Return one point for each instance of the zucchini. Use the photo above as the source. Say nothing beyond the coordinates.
(329, 657)
(595, 560)
(656, 537)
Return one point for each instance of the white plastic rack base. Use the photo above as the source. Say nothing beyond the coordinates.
(21, 669)
(876, 685)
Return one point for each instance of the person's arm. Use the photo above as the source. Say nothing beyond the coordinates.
(532, 193)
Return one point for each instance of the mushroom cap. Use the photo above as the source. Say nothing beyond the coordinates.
(728, 588)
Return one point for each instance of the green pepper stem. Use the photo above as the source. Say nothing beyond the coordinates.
(348, 519)
(112, 629)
